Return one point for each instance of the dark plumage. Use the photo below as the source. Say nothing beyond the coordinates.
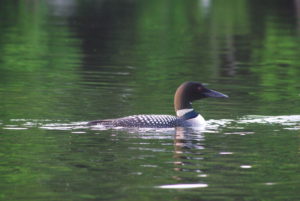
(145, 121)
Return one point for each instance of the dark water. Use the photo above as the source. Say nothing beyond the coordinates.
(63, 63)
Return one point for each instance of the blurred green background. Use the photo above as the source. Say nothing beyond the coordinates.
(58, 56)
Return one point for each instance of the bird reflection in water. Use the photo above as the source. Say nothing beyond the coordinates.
(187, 144)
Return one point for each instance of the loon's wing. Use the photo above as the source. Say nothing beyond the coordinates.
(140, 121)
(128, 121)
(101, 122)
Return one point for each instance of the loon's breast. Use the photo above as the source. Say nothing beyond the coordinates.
(197, 121)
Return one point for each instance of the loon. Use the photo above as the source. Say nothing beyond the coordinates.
(186, 116)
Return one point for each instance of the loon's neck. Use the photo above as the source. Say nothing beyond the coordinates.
(186, 114)
(183, 102)
(182, 112)
(182, 98)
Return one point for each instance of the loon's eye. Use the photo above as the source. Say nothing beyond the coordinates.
(199, 88)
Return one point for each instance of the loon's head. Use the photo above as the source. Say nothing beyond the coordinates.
(188, 92)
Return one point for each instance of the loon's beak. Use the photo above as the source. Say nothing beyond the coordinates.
(214, 94)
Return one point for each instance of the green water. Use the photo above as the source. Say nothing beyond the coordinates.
(63, 63)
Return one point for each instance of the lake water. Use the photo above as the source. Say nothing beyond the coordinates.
(63, 63)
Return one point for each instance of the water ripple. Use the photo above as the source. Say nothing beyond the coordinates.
(183, 186)
(290, 122)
